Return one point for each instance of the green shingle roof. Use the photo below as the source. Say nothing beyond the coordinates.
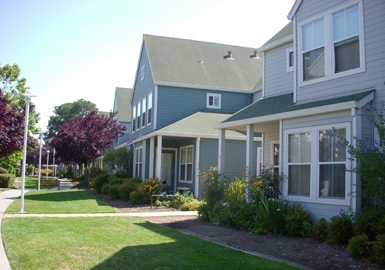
(284, 32)
(283, 104)
(200, 123)
(202, 64)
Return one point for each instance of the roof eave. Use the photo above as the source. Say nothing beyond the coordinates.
(277, 43)
(294, 9)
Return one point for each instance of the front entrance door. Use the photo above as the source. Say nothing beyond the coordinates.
(168, 168)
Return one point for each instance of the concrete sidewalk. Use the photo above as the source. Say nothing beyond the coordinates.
(7, 197)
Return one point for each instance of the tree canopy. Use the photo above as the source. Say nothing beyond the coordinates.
(119, 159)
(66, 111)
(84, 139)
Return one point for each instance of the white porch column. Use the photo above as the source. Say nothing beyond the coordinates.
(151, 161)
(158, 169)
(197, 161)
(249, 160)
(221, 151)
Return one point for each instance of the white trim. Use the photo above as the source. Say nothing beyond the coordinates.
(197, 169)
(214, 96)
(155, 108)
(328, 46)
(204, 87)
(272, 143)
(314, 166)
(149, 98)
(158, 158)
(276, 43)
(259, 164)
(294, 9)
(293, 114)
(151, 161)
(288, 67)
(186, 163)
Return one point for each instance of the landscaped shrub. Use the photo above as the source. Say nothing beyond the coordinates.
(244, 216)
(271, 215)
(189, 203)
(359, 246)
(127, 187)
(341, 229)
(298, 221)
(7, 180)
(106, 189)
(368, 223)
(212, 187)
(321, 229)
(100, 181)
(222, 215)
(234, 190)
(204, 211)
(267, 184)
(143, 192)
(379, 248)
(95, 172)
(45, 171)
(113, 192)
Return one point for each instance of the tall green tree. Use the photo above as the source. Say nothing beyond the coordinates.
(66, 111)
(119, 160)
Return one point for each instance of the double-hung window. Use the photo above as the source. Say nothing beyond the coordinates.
(138, 113)
(138, 161)
(134, 118)
(144, 108)
(149, 108)
(316, 164)
(186, 163)
(331, 46)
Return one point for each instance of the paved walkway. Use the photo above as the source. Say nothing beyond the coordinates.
(7, 197)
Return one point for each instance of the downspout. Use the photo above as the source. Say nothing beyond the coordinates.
(295, 60)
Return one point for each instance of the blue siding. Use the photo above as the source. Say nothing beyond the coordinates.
(176, 103)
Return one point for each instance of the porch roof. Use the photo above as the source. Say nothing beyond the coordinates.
(282, 107)
(200, 124)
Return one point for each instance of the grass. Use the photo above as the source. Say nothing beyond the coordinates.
(115, 243)
(60, 202)
(110, 242)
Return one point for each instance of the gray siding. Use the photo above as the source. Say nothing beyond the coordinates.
(176, 103)
(277, 80)
(373, 77)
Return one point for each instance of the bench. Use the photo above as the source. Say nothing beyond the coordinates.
(164, 196)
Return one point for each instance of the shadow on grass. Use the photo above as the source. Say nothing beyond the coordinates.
(63, 196)
(183, 251)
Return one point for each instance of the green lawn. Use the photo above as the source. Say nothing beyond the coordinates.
(60, 202)
(111, 242)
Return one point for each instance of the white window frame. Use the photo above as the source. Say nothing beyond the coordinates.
(138, 116)
(272, 143)
(288, 67)
(329, 46)
(314, 167)
(144, 110)
(142, 72)
(139, 161)
(133, 119)
(186, 163)
(214, 96)
(149, 109)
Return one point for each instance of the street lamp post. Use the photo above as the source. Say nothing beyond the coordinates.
(41, 148)
(54, 168)
(47, 163)
(28, 98)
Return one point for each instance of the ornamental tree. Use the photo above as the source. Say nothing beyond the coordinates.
(82, 140)
(11, 128)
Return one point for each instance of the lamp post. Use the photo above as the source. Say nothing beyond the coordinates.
(41, 148)
(54, 168)
(28, 98)
(47, 163)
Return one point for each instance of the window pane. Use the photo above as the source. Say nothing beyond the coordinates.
(291, 59)
(313, 64)
(300, 147)
(318, 33)
(275, 154)
(332, 181)
(189, 155)
(339, 25)
(347, 55)
(307, 37)
(299, 180)
(182, 172)
(352, 23)
(189, 172)
(183, 155)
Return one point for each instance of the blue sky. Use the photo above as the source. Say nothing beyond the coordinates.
(72, 49)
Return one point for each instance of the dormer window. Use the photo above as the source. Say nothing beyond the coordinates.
(213, 101)
(332, 46)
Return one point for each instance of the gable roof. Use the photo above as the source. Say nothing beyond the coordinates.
(282, 107)
(294, 9)
(285, 35)
(191, 63)
(122, 103)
